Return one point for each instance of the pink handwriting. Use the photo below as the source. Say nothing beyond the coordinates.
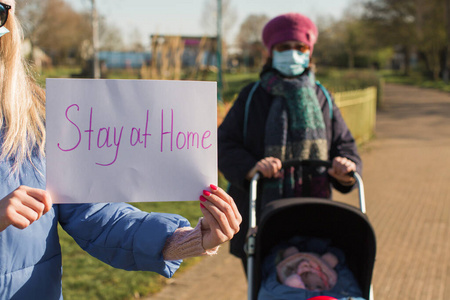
(183, 140)
(136, 135)
(111, 136)
(79, 132)
(108, 144)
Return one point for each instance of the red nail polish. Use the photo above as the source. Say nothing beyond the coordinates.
(201, 205)
(212, 186)
(206, 193)
(203, 199)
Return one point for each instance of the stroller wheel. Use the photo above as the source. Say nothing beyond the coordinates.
(322, 298)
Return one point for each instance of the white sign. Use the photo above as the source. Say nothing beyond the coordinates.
(130, 140)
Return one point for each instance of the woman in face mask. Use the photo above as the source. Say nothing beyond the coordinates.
(286, 115)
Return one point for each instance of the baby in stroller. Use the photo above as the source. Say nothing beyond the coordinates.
(307, 270)
(306, 267)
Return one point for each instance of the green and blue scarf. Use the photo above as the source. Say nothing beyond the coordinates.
(295, 129)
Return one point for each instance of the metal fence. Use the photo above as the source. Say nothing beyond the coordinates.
(359, 109)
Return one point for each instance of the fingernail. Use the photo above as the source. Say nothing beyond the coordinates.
(206, 193)
(203, 199)
(201, 205)
(212, 186)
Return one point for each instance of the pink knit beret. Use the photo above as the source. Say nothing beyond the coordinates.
(290, 27)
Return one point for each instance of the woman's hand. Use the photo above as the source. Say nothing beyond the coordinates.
(221, 217)
(340, 169)
(23, 206)
(269, 167)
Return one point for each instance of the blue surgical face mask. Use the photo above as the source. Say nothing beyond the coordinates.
(290, 62)
(3, 30)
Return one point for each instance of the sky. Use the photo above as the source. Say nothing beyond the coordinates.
(183, 17)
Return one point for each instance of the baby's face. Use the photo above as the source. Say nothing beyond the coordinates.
(312, 281)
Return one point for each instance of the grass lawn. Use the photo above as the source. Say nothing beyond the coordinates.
(415, 79)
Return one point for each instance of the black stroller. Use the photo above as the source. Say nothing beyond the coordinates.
(345, 225)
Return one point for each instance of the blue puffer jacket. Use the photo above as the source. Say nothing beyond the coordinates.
(118, 234)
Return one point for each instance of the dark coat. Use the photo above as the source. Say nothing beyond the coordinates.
(237, 157)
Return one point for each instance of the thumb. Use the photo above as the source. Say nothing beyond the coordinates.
(331, 172)
(207, 218)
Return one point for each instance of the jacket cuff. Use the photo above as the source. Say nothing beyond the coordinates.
(186, 242)
(150, 239)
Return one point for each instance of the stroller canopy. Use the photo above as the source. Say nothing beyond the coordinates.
(346, 226)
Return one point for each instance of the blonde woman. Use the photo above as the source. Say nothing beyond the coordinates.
(118, 234)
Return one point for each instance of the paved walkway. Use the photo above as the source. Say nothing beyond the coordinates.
(407, 183)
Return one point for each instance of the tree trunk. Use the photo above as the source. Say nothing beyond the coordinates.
(407, 52)
(446, 67)
(351, 59)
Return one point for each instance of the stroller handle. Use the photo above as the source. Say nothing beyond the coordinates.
(308, 163)
(328, 164)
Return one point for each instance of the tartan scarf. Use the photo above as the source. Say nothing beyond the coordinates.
(295, 129)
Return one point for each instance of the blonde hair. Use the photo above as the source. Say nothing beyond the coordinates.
(22, 103)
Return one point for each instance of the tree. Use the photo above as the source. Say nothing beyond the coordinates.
(249, 39)
(209, 17)
(393, 23)
(327, 40)
(431, 35)
(446, 56)
(342, 43)
(353, 39)
(30, 14)
(110, 36)
(135, 41)
(421, 25)
(62, 30)
(251, 29)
